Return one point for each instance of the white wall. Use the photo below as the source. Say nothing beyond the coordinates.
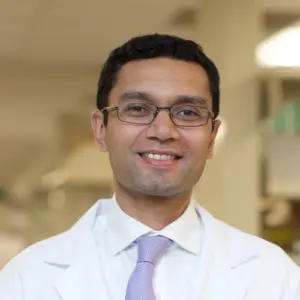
(283, 153)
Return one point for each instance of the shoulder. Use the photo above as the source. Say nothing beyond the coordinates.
(59, 248)
(28, 270)
(256, 261)
(269, 266)
(240, 246)
(240, 242)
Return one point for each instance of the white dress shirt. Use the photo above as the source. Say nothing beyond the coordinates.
(177, 274)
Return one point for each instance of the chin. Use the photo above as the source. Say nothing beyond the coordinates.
(159, 190)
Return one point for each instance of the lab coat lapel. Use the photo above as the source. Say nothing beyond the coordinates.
(225, 259)
(225, 284)
(81, 279)
(79, 259)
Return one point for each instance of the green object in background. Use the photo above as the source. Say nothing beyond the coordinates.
(288, 120)
(297, 117)
(279, 125)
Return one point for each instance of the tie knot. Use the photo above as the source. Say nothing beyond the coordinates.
(151, 248)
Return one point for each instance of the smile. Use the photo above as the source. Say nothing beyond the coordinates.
(159, 157)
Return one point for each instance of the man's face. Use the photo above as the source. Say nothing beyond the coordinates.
(161, 81)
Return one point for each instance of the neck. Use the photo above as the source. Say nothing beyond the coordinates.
(154, 211)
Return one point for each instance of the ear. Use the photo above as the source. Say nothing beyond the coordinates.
(99, 130)
(217, 124)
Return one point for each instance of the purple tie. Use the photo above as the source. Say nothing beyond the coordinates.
(150, 249)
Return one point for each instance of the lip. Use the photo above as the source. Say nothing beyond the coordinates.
(162, 152)
(160, 164)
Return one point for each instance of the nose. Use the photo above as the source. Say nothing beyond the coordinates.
(162, 127)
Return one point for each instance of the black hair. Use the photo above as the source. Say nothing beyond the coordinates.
(155, 46)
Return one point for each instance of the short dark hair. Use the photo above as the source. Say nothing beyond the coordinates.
(155, 46)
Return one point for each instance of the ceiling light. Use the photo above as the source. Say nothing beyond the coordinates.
(281, 49)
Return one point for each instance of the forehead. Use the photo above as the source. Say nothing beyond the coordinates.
(163, 78)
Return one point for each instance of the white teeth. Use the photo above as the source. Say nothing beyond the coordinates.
(159, 156)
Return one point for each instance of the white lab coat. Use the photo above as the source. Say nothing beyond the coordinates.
(65, 267)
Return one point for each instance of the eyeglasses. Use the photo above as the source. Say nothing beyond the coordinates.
(183, 115)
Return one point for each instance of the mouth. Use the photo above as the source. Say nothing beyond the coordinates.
(160, 156)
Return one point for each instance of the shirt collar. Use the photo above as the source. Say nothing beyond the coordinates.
(186, 231)
(122, 230)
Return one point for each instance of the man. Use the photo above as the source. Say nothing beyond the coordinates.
(158, 101)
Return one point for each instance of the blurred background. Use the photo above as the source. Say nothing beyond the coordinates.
(50, 57)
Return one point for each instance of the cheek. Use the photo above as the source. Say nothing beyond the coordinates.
(201, 149)
(121, 138)
(200, 152)
(197, 142)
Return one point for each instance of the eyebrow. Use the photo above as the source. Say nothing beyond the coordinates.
(182, 99)
(196, 100)
(134, 95)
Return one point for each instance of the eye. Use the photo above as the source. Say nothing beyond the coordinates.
(189, 112)
(137, 109)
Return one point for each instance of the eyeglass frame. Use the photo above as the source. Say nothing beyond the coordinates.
(210, 115)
